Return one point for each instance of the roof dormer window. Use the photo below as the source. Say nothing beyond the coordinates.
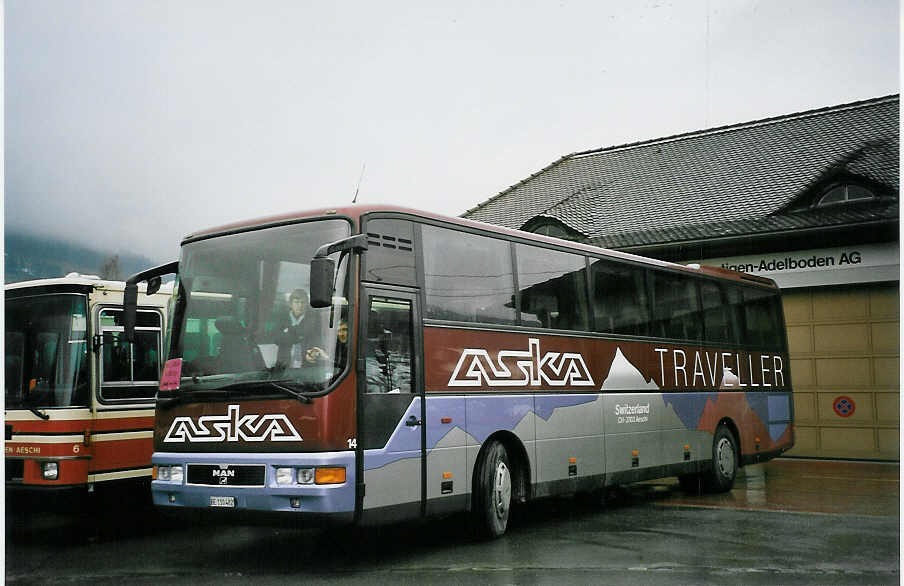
(844, 193)
(552, 227)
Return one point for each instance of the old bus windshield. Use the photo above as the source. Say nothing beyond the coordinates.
(242, 311)
(47, 352)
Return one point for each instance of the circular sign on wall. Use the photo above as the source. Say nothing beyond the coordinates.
(844, 406)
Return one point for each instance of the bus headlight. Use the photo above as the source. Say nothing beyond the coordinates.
(170, 473)
(285, 475)
(305, 476)
(50, 470)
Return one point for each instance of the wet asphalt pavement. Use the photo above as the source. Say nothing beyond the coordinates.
(785, 522)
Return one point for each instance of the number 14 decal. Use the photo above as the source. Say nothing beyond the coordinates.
(352, 443)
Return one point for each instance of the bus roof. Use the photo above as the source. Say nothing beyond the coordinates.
(356, 211)
(75, 281)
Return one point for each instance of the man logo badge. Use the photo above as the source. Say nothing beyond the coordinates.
(224, 474)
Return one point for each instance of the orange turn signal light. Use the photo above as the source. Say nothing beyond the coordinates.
(329, 475)
(154, 472)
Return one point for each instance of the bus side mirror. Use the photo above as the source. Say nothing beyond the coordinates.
(154, 285)
(130, 295)
(323, 269)
(130, 307)
(322, 274)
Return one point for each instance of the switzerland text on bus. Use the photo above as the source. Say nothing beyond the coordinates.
(79, 400)
(454, 366)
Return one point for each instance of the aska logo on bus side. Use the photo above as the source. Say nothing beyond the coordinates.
(233, 427)
(557, 369)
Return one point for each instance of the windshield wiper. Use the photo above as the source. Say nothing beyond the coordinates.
(287, 386)
(39, 413)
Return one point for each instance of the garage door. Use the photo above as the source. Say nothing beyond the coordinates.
(844, 347)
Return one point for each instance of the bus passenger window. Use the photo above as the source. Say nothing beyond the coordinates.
(130, 371)
(619, 299)
(468, 277)
(735, 307)
(553, 288)
(716, 317)
(676, 309)
(388, 347)
(761, 314)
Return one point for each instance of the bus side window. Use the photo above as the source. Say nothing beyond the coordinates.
(468, 277)
(553, 288)
(619, 299)
(390, 256)
(735, 307)
(129, 371)
(676, 308)
(716, 318)
(389, 344)
(761, 314)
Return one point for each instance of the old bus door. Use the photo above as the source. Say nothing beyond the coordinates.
(391, 406)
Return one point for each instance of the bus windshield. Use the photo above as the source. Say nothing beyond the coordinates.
(46, 352)
(241, 311)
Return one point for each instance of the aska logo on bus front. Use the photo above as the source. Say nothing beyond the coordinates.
(476, 368)
(233, 427)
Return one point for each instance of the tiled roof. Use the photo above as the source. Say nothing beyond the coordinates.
(857, 214)
(733, 180)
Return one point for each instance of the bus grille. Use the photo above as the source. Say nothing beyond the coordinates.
(225, 475)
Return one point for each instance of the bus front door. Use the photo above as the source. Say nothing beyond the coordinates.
(391, 406)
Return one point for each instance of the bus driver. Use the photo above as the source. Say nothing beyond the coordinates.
(291, 333)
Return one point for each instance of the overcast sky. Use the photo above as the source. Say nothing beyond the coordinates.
(130, 123)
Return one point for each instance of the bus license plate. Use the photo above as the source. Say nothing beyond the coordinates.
(222, 501)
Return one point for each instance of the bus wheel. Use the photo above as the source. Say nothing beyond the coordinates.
(725, 461)
(494, 492)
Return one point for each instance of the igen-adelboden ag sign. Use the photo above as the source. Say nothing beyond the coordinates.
(866, 263)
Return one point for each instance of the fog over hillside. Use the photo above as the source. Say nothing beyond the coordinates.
(30, 256)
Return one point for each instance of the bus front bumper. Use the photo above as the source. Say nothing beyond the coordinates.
(264, 483)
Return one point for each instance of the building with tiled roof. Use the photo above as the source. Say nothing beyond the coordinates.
(753, 178)
(809, 199)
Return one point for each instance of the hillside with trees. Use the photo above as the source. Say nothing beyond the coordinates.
(28, 256)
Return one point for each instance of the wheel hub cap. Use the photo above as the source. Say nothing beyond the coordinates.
(726, 457)
(502, 490)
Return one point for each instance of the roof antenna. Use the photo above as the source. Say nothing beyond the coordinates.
(357, 187)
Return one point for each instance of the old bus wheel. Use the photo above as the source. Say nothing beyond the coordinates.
(725, 461)
(494, 492)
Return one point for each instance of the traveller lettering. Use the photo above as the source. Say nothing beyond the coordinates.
(745, 373)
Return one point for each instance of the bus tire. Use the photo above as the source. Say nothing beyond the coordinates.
(725, 461)
(493, 492)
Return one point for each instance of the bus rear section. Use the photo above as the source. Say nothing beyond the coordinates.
(436, 365)
(78, 399)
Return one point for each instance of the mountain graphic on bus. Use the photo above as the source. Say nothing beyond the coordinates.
(624, 375)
